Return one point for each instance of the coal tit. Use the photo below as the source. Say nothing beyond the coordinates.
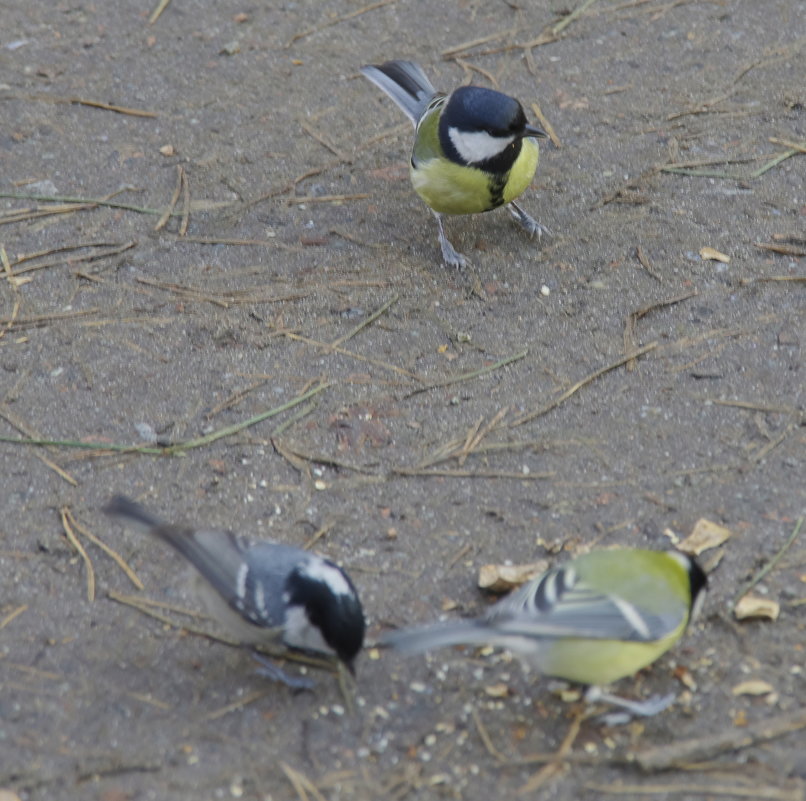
(265, 594)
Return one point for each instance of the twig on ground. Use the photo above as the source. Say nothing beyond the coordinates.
(551, 769)
(337, 20)
(509, 474)
(680, 753)
(170, 208)
(250, 698)
(645, 263)
(301, 783)
(529, 416)
(157, 12)
(14, 613)
(634, 317)
(66, 518)
(364, 323)
(110, 552)
(772, 563)
(471, 375)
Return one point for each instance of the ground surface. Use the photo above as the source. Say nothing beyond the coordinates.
(121, 332)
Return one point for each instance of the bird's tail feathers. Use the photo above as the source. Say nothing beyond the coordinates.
(126, 509)
(217, 555)
(405, 83)
(418, 639)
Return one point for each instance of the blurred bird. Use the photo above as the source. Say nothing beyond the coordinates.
(473, 149)
(276, 596)
(593, 620)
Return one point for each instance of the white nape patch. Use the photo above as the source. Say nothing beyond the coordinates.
(240, 580)
(633, 617)
(319, 570)
(475, 146)
(298, 632)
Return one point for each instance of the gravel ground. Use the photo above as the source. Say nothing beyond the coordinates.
(483, 416)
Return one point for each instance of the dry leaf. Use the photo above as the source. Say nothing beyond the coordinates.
(503, 578)
(751, 606)
(710, 254)
(753, 687)
(704, 536)
(683, 675)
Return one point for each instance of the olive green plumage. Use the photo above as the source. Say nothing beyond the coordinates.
(593, 620)
(473, 148)
(451, 188)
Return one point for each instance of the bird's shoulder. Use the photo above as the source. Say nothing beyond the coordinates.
(426, 139)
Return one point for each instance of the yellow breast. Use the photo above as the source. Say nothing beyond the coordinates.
(450, 188)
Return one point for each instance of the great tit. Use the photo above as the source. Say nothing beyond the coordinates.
(276, 596)
(593, 620)
(473, 149)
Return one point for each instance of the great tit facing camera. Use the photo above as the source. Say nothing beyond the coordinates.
(593, 620)
(473, 149)
(267, 594)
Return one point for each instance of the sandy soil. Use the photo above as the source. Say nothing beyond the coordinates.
(295, 223)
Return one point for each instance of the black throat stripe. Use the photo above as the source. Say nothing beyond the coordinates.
(497, 182)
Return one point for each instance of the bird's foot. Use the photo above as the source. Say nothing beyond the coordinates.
(274, 672)
(450, 255)
(526, 221)
(629, 709)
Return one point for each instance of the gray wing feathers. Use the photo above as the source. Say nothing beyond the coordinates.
(217, 555)
(523, 623)
(578, 612)
(605, 623)
(405, 83)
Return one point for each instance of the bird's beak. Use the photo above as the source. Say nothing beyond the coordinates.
(537, 133)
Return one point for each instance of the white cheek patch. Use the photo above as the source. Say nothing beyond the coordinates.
(475, 146)
(319, 570)
(298, 632)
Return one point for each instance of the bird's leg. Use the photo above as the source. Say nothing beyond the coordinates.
(652, 706)
(274, 672)
(526, 221)
(449, 254)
